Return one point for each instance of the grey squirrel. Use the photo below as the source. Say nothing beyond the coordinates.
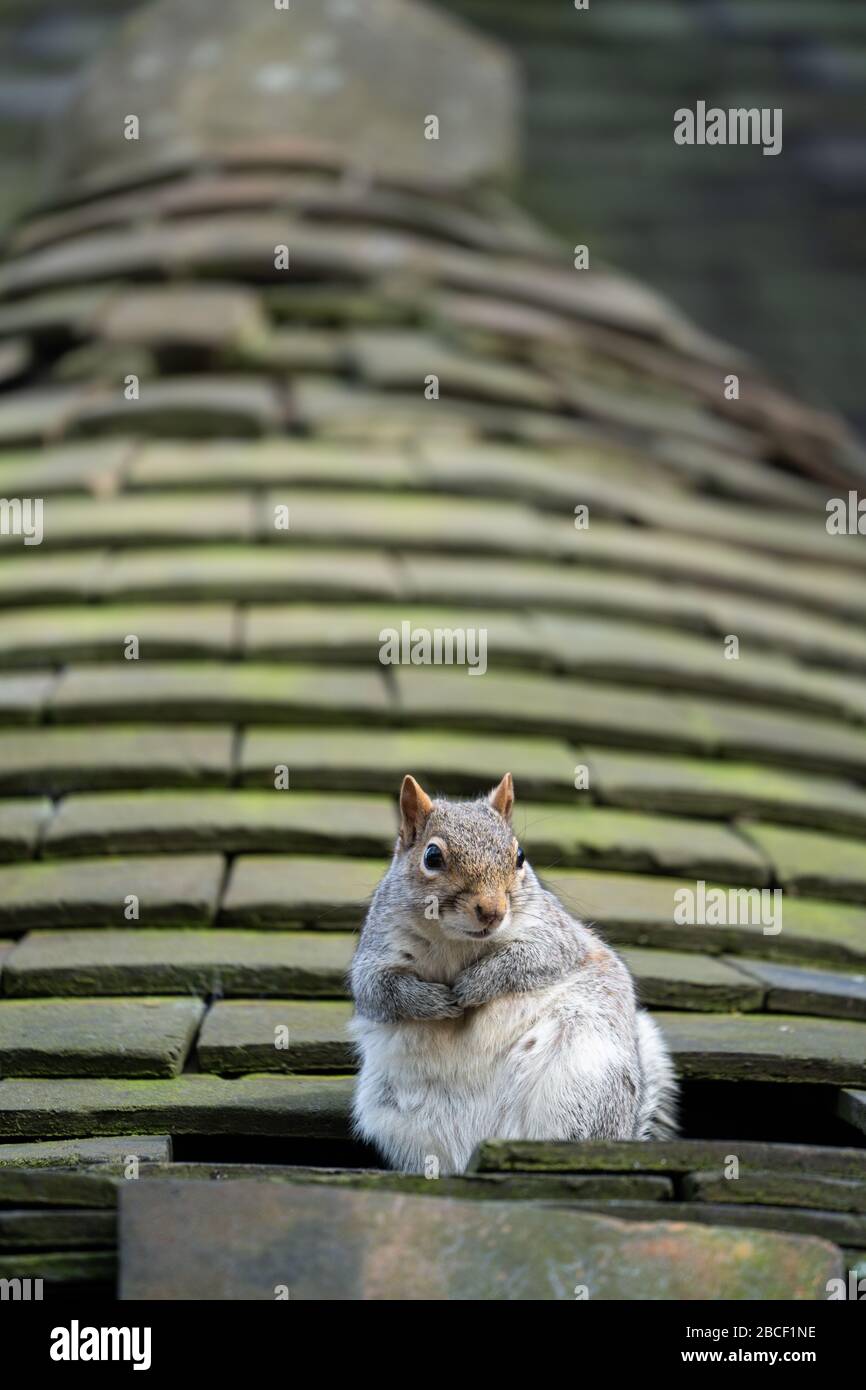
(483, 1009)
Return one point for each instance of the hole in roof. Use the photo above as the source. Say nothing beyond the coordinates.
(783, 1113)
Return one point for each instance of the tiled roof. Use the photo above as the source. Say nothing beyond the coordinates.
(164, 906)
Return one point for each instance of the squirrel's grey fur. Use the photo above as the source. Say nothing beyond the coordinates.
(500, 1017)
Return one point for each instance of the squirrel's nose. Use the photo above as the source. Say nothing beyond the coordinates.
(490, 911)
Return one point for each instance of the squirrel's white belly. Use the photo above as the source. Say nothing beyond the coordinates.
(429, 1092)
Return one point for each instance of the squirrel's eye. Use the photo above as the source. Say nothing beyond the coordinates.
(521, 858)
(433, 857)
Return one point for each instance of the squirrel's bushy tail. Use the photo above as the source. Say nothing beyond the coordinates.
(658, 1112)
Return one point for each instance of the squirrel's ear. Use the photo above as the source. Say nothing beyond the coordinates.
(502, 797)
(415, 807)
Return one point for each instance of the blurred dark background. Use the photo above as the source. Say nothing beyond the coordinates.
(769, 253)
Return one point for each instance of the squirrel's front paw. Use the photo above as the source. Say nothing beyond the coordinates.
(429, 1000)
(472, 987)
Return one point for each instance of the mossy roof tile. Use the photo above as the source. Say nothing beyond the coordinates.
(810, 637)
(265, 890)
(584, 710)
(710, 563)
(551, 480)
(839, 1228)
(281, 1106)
(233, 822)
(641, 910)
(637, 654)
(248, 572)
(742, 732)
(35, 415)
(686, 980)
(779, 1189)
(442, 760)
(241, 1036)
(341, 411)
(62, 1267)
(795, 989)
(773, 1047)
(41, 315)
(103, 631)
(430, 522)
(23, 697)
(57, 578)
(780, 534)
(482, 1186)
(665, 1156)
(5, 948)
(192, 405)
(848, 689)
(391, 358)
(139, 961)
(723, 474)
(69, 1153)
(97, 1037)
(58, 760)
(517, 583)
(146, 520)
(209, 316)
(596, 838)
(21, 826)
(173, 889)
(92, 469)
(817, 865)
(55, 1231)
(359, 632)
(214, 693)
(725, 789)
(266, 463)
